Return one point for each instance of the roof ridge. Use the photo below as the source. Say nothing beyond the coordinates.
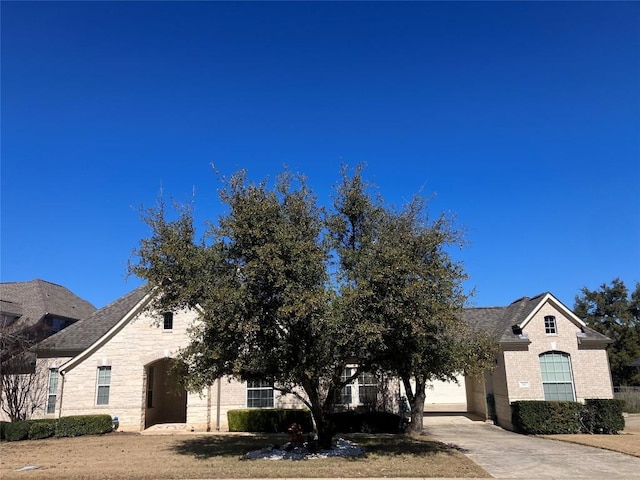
(478, 308)
(33, 281)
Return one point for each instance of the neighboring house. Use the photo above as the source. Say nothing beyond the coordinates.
(30, 312)
(39, 308)
(546, 353)
(117, 361)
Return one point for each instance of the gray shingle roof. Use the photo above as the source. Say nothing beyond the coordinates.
(37, 298)
(499, 321)
(79, 336)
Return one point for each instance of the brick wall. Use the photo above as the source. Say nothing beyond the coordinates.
(522, 375)
(590, 366)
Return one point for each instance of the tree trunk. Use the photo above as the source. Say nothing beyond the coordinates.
(324, 425)
(322, 414)
(416, 402)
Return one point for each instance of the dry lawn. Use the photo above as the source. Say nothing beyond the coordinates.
(627, 442)
(124, 456)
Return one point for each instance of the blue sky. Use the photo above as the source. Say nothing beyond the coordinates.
(522, 118)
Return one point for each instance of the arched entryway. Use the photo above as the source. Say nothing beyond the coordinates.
(165, 399)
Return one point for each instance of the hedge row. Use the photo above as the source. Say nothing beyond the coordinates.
(366, 422)
(534, 417)
(73, 426)
(273, 420)
(270, 420)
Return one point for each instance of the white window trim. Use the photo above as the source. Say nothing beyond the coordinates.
(164, 322)
(552, 321)
(262, 387)
(572, 381)
(98, 385)
(355, 386)
(53, 394)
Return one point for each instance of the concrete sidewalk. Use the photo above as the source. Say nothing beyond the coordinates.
(506, 454)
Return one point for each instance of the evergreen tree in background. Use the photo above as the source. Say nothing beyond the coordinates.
(614, 312)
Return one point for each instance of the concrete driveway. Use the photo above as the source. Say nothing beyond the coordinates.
(509, 455)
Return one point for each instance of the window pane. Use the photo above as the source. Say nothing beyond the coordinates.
(53, 381)
(368, 394)
(103, 396)
(346, 395)
(104, 375)
(367, 388)
(555, 368)
(51, 404)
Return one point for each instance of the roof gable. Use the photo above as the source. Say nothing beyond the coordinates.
(538, 302)
(117, 314)
(505, 324)
(81, 335)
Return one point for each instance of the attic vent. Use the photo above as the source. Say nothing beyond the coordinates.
(516, 329)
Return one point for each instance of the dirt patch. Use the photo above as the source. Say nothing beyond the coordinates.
(123, 456)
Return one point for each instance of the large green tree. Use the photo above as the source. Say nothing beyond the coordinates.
(397, 274)
(615, 312)
(260, 278)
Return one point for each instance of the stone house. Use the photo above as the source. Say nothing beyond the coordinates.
(116, 361)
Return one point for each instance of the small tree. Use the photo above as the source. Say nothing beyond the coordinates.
(612, 311)
(23, 385)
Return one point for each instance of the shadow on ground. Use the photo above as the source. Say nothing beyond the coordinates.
(225, 445)
(237, 445)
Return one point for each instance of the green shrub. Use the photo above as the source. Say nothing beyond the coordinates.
(16, 431)
(547, 418)
(366, 422)
(535, 417)
(78, 425)
(268, 420)
(3, 426)
(40, 429)
(603, 415)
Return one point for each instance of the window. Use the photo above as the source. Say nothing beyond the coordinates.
(557, 380)
(346, 396)
(168, 320)
(52, 393)
(259, 394)
(550, 325)
(367, 388)
(150, 375)
(104, 382)
(56, 324)
(361, 391)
